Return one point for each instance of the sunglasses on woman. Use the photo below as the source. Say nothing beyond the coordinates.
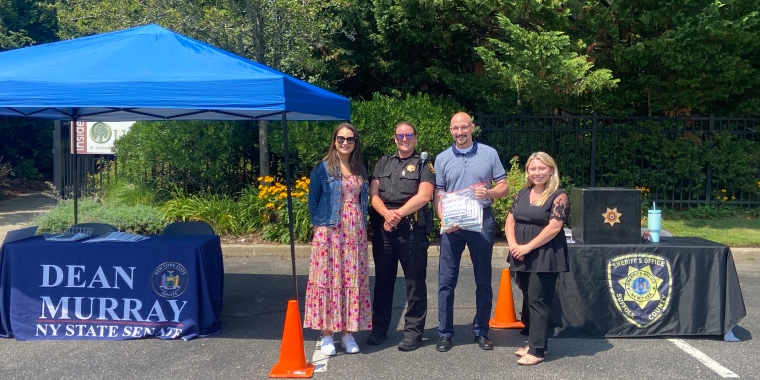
(400, 136)
(349, 140)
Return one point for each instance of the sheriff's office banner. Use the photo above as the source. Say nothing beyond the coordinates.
(88, 137)
(167, 287)
(680, 286)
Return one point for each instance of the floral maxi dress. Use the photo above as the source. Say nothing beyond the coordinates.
(337, 295)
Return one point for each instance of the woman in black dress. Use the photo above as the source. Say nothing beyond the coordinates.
(537, 249)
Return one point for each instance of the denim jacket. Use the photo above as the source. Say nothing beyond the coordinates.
(324, 197)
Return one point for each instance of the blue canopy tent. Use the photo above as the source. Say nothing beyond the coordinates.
(150, 73)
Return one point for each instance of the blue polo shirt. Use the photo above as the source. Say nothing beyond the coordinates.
(455, 170)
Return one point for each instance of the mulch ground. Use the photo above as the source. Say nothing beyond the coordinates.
(11, 188)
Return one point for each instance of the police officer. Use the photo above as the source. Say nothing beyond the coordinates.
(401, 187)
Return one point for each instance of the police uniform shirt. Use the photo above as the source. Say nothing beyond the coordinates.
(400, 178)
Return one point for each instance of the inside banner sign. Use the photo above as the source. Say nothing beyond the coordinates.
(97, 137)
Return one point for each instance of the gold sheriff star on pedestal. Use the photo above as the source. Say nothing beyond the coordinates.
(612, 216)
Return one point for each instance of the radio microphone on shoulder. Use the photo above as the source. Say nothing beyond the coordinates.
(424, 157)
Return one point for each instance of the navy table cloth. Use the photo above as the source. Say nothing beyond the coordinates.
(168, 287)
(679, 286)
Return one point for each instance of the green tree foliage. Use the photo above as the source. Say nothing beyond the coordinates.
(282, 34)
(26, 22)
(400, 46)
(542, 66)
(397, 47)
(27, 145)
(279, 33)
(219, 157)
(209, 156)
(675, 57)
(376, 121)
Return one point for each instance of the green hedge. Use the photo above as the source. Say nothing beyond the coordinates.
(222, 157)
(660, 155)
(139, 219)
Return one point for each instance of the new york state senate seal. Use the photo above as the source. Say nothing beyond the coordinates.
(169, 279)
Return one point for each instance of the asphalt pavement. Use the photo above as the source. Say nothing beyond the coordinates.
(258, 287)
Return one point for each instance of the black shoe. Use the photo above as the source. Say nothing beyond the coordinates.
(444, 344)
(409, 344)
(483, 342)
(375, 339)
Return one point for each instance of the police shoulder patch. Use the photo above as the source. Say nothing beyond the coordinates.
(430, 165)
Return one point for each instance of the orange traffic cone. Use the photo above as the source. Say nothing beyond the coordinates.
(292, 355)
(505, 317)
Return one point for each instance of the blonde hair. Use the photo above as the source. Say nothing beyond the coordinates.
(553, 183)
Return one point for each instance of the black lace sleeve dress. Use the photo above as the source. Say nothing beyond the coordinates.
(529, 222)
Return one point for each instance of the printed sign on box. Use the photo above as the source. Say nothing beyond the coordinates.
(97, 137)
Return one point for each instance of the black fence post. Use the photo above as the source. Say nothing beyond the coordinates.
(592, 177)
(57, 164)
(708, 180)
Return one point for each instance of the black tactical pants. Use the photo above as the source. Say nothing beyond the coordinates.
(388, 249)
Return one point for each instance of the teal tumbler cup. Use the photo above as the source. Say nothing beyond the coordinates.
(654, 224)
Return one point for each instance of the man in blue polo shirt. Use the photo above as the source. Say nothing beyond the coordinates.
(464, 164)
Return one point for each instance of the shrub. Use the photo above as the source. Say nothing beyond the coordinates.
(129, 194)
(218, 210)
(261, 209)
(5, 170)
(210, 156)
(275, 221)
(516, 181)
(139, 219)
(375, 120)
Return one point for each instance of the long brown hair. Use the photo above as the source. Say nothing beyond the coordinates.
(552, 185)
(355, 162)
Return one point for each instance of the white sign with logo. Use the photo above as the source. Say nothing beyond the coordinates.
(97, 137)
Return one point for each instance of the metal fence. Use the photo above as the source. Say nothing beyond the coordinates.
(679, 162)
(93, 172)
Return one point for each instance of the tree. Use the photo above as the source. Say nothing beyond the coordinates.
(675, 57)
(542, 66)
(281, 34)
(397, 47)
(432, 46)
(26, 143)
(26, 22)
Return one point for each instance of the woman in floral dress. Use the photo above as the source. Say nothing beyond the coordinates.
(337, 295)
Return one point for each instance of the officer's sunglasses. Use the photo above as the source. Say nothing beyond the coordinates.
(349, 140)
(400, 136)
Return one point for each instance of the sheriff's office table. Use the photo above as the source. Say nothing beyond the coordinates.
(167, 286)
(680, 286)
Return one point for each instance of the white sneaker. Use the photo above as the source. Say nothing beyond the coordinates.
(348, 342)
(327, 346)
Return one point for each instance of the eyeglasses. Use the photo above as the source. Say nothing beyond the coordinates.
(349, 140)
(400, 136)
(460, 128)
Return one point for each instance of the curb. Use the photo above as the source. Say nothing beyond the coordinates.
(745, 253)
(304, 251)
